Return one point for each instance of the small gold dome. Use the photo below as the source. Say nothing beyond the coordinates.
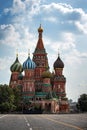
(46, 74)
(40, 29)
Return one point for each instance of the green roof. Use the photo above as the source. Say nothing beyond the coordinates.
(47, 85)
(40, 94)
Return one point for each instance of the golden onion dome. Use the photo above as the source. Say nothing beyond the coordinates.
(46, 74)
(40, 29)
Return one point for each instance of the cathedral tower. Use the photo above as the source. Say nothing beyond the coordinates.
(59, 85)
(28, 79)
(40, 59)
(47, 87)
(16, 69)
(59, 79)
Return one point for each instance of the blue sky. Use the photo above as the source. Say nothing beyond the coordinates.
(65, 28)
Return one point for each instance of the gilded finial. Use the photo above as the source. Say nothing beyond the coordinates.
(16, 52)
(28, 52)
(58, 53)
(40, 25)
(40, 29)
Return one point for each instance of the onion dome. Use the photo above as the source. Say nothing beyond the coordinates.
(40, 29)
(46, 74)
(29, 64)
(58, 63)
(16, 66)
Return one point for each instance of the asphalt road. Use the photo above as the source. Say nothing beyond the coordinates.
(43, 122)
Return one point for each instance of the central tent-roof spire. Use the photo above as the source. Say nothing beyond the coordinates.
(40, 45)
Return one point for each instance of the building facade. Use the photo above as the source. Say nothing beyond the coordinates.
(39, 87)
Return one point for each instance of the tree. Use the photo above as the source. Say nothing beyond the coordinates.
(17, 97)
(6, 99)
(82, 103)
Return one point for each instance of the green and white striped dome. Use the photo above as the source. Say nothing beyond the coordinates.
(16, 66)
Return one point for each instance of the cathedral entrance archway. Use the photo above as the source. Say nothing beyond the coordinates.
(48, 107)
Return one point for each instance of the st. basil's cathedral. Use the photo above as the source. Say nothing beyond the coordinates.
(39, 87)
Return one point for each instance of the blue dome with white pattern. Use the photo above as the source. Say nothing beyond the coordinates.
(29, 64)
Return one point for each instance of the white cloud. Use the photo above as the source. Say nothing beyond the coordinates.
(4, 63)
(67, 14)
(62, 7)
(9, 35)
(25, 12)
(18, 7)
(67, 42)
(27, 7)
(75, 72)
(73, 59)
(59, 6)
(82, 27)
(51, 19)
(17, 36)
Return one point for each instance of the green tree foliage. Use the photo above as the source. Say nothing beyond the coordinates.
(6, 98)
(17, 97)
(82, 103)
